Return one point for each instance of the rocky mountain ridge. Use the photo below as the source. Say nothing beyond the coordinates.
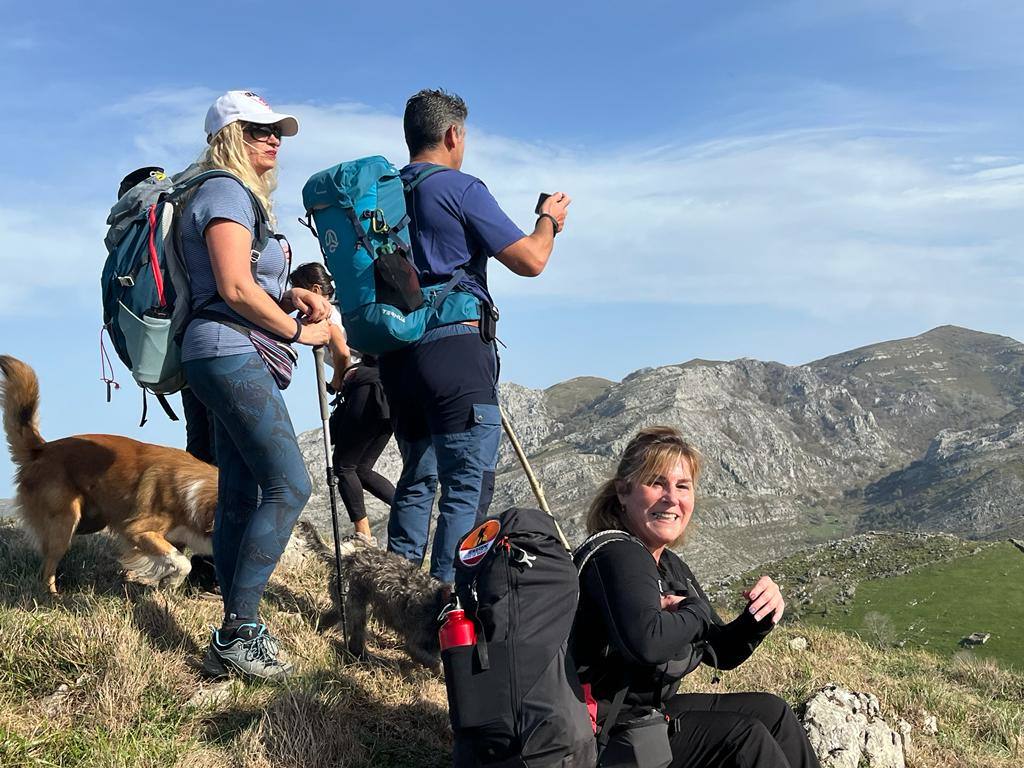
(914, 434)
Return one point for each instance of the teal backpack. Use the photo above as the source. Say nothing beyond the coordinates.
(145, 283)
(357, 210)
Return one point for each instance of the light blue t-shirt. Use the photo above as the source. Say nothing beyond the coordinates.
(222, 198)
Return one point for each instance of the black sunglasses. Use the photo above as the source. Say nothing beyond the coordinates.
(262, 132)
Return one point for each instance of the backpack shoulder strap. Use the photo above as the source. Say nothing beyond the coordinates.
(423, 175)
(409, 187)
(580, 558)
(585, 551)
(261, 232)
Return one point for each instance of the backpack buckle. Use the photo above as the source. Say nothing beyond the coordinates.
(254, 256)
(126, 281)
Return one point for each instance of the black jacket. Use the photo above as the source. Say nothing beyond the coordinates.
(622, 637)
(366, 374)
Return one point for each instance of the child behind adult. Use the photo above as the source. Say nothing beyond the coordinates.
(360, 425)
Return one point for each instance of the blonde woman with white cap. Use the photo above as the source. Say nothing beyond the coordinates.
(235, 353)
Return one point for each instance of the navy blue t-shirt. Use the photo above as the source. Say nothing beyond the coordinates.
(456, 222)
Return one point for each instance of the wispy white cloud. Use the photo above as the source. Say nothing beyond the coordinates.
(830, 222)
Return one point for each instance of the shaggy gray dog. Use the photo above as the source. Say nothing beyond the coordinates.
(402, 596)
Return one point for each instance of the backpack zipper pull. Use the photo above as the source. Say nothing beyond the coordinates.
(521, 556)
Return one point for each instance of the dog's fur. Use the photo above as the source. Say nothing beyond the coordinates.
(401, 595)
(154, 498)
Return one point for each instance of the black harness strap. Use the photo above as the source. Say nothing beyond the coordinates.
(167, 407)
(163, 404)
(609, 721)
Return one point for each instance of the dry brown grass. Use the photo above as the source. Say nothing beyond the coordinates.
(129, 659)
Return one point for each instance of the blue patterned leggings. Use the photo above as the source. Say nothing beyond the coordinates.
(263, 482)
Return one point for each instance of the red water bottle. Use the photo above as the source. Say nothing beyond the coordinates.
(457, 630)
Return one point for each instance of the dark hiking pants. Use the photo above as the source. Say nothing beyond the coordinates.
(737, 730)
(359, 434)
(263, 484)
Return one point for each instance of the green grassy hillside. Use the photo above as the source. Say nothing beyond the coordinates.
(935, 606)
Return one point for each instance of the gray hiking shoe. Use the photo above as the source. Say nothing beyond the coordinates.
(252, 652)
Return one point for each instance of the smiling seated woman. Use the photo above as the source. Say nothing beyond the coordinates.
(644, 623)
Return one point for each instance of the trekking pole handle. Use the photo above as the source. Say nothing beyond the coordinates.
(321, 383)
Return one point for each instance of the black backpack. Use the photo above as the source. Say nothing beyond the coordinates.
(514, 699)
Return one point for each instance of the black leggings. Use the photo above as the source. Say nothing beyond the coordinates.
(745, 730)
(359, 433)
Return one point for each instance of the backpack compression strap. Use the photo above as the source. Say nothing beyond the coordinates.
(454, 280)
(408, 188)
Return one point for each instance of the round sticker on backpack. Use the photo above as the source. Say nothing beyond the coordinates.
(478, 542)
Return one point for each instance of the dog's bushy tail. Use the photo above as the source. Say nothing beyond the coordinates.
(19, 397)
(316, 543)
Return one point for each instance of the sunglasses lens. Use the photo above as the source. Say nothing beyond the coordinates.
(264, 132)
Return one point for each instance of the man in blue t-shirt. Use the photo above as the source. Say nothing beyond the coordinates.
(443, 390)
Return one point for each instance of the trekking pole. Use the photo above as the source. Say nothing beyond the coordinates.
(325, 417)
(534, 482)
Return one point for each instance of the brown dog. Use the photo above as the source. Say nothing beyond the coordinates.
(154, 498)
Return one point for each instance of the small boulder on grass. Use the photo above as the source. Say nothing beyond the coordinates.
(846, 730)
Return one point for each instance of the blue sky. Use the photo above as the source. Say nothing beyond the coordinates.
(779, 180)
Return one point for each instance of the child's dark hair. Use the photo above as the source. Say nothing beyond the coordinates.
(313, 273)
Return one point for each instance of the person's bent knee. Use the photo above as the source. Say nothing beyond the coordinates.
(775, 708)
(302, 489)
(750, 732)
(292, 492)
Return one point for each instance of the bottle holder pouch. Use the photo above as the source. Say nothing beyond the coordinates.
(478, 704)
(396, 282)
(147, 340)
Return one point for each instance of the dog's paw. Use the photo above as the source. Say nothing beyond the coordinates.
(156, 570)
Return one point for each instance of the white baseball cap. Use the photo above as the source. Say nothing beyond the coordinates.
(249, 107)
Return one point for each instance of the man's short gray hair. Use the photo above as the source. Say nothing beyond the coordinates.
(428, 115)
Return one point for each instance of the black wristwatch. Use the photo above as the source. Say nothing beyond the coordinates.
(554, 222)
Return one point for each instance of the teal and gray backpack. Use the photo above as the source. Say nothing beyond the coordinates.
(357, 210)
(145, 282)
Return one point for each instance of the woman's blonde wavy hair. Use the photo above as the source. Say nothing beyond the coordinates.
(647, 456)
(227, 152)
